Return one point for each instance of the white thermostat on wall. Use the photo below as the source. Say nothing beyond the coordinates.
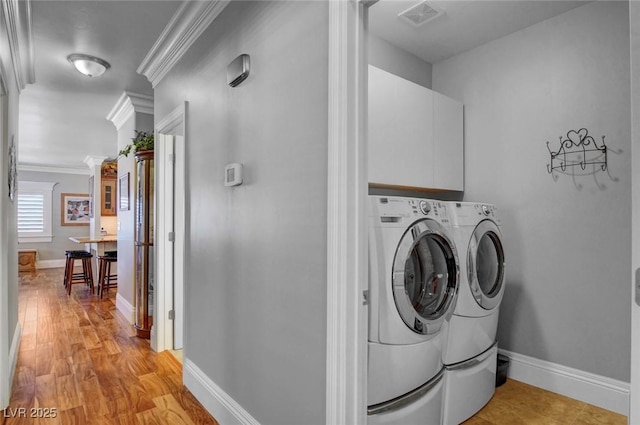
(233, 174)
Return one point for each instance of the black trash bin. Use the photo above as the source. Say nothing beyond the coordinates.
(502, 369)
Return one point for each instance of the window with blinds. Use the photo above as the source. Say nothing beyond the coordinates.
(30, 212)
(34, 211)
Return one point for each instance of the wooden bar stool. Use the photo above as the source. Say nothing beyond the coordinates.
(85, 276)
(106, 279)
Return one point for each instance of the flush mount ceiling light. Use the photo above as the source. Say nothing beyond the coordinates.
(88, 65)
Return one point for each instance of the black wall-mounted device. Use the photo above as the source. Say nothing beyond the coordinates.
(238, 70)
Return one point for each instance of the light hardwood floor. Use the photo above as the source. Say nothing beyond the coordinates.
(79, 356)
(516, 403)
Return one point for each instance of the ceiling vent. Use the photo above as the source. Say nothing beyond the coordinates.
(421, 13)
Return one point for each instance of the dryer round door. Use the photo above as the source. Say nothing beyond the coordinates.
(485, 264)
(425, 277)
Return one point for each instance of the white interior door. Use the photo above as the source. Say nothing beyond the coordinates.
(171, 149)
(165, 190)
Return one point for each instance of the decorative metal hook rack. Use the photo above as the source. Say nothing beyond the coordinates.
(579, 154)
(578, 150)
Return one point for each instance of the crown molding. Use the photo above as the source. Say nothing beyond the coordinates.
(17, 15)
(52, 169)
(127, 105)
(4, 89)
(93, 161)
(184, 28)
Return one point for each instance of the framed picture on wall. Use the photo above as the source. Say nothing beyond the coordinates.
(74, 209)
(123, 190)
(91, 197)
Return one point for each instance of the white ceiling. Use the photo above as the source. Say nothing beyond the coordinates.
(63, 114)
(464, 25)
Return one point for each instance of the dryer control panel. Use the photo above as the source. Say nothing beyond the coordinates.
(470, 213)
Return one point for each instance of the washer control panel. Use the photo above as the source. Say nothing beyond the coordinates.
(430, 208)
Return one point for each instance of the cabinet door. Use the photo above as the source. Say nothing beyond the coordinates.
(400, 131)
(108, 206)
(448, 149)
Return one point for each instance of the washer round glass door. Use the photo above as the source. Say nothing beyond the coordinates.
(485, 262)
(425, 277)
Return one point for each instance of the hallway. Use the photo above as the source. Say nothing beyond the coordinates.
(80, 363)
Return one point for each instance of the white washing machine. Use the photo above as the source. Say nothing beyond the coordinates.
(470, 355)
(413, 285)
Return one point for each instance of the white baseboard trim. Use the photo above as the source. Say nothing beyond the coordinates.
(608, 393)
(13, 351)
(125, 307)
(220, 404)
(50, 264)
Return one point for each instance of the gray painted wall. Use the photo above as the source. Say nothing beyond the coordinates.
(385, 55)
(126, 219)
(256, 274)
(568, 249)
(8, 231)
(67, 183)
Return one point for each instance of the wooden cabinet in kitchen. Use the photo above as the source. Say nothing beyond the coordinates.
(108, 194)
(415, 135)
(108, 179)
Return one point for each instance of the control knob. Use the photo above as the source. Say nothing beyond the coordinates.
(486, 210)
(425, 207)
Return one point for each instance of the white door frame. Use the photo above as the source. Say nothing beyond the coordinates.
(634, 393)
(173, 124)
(346, 375)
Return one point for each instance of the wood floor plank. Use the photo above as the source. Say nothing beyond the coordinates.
(74, 335)
(68, 394)
(44, 359)
(137, 395)
(46, 392)
(172, 411)
(91, 340)
(22, 397)
(150, 417)
(62, 367)
(92, 398)
(110, 346)
(193, 408)
(28, 342)
(73, 416)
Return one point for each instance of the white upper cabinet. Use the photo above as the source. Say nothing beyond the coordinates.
(415, 135)
(448, 150)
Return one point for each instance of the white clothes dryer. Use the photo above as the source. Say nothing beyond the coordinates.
(413, 285)
(470, 355)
